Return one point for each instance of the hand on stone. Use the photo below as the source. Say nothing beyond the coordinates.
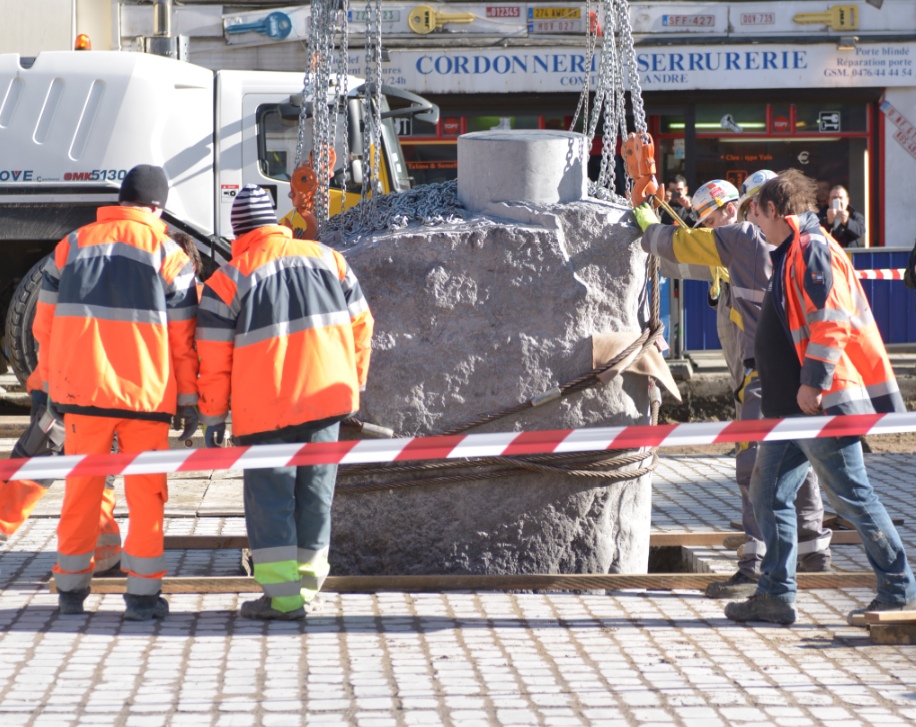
(645, 215)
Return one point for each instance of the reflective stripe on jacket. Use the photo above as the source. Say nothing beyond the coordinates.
(741, 249)
(115, 319)
(284, 330)
(831, 324)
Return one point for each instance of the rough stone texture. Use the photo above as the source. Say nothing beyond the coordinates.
(475, 317)
(538, 165)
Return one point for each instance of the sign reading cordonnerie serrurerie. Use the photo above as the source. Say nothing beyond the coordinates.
(663, 68)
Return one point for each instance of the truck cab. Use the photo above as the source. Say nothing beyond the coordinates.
(72, 123)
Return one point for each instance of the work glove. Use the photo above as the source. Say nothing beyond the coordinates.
(215, 434)
(54, 413)
(186, 416)
(645, 215)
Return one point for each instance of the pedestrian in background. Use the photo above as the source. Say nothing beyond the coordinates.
(115, 330)
(284, 335)
(818, 351)
(842, 221)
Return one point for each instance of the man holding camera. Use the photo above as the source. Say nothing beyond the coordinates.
(676, 195)
(842, 221)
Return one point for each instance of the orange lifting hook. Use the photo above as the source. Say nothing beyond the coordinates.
(639, 156)
(303, 185)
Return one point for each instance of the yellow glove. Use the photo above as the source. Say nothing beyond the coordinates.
(645, 215)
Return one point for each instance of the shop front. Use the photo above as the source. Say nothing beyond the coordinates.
(843, 115)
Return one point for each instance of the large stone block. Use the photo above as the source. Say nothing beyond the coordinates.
(474, 317)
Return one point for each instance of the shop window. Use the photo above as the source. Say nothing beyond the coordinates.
(830, 118)
(672, 124)
(731, 118)
(486, 123)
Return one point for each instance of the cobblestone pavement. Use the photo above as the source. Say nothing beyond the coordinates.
(627, 657)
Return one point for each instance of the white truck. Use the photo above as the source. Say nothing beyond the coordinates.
(72, 123)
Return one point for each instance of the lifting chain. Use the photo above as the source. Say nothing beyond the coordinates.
(617, 70)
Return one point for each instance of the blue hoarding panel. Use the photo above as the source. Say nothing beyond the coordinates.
(892, 303)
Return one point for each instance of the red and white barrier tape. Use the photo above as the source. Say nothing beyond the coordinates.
(881, 274)
(369, 451)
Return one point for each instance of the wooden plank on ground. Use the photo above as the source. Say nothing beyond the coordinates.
(440, 584)
(886, 617)
(670, 539)
(902, 634)
(205, 542)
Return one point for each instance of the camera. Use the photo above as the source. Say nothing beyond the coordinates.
(835, 205)
(676, 194)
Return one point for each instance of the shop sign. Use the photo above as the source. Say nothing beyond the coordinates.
(688, 21)
(665, 68)
(758, 19)
(555, 20)
(504, 11)
(780, 124)
(451, 126)
(828, 121)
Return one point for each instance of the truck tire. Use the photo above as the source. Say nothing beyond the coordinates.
(21, 349)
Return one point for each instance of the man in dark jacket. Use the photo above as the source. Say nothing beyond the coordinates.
(842, 221)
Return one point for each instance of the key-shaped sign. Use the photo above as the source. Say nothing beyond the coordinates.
(425, 19)
(276, 25)
(839, 17)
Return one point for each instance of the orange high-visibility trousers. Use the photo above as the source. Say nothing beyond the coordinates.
(77, 534)
(17, 500)
(19, 497)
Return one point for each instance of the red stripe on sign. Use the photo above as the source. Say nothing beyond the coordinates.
(429, 447)
(849, 425)
(93, 465)
(543, 442)
(322, 453)
(212, 458)
(642, 436)
(746, 430)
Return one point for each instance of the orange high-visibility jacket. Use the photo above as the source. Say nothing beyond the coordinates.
(115, 320)
(284, 330)
(831, 324)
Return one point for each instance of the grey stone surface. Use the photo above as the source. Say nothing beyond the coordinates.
(475, 317)
(535, 165)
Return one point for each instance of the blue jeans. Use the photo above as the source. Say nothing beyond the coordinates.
(779, 472)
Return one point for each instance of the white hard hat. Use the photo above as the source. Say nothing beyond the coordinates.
(752, 185)
(712, 195)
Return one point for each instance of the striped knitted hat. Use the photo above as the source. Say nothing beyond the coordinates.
(252, 208)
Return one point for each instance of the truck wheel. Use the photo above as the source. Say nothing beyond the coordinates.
(21, 349)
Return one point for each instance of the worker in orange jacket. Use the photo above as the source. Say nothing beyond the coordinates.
(115, 330)
(45, 436)
(283, 332)
(818, 351)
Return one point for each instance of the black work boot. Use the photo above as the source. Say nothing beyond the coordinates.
(761, 608)
(738, 586)
(145, 608)
(877, 605)
(70, 603)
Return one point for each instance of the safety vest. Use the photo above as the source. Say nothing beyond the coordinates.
(115, 319)
(284, 331)
(831, 324)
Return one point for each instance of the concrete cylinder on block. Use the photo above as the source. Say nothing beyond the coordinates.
(540, 166)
